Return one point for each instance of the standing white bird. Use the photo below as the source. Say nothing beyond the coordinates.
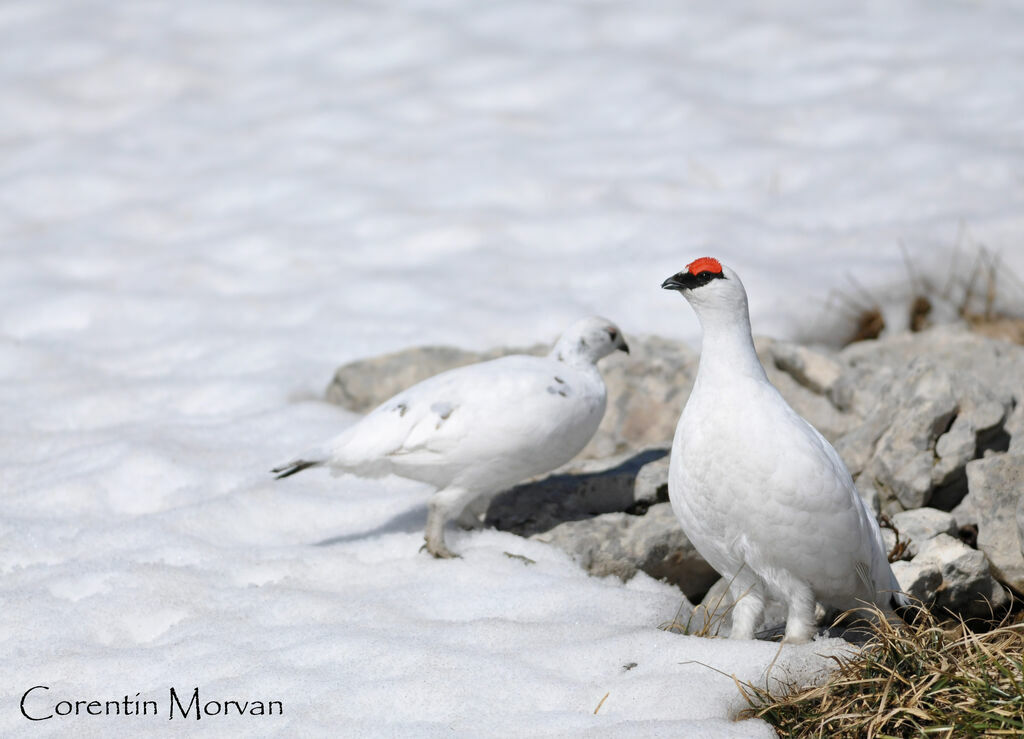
(480, 429)
(764, 498)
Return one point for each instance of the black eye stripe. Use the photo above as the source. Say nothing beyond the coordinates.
(702, 278)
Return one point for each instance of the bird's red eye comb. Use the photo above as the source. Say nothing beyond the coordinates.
(704, 264)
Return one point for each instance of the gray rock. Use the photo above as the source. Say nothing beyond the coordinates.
(647, 390)
(964, 512)
(362, 385)
(620, 544)
(1020, 523)
(967, 583)
(920, 580)
(814, 370)
(802, 376)
(651, 482)
(997, 365)
(921, 524)
(931, 402)
(904, 455)
(869, 494)
(1015, 428)
(858, 445)
(996, 487)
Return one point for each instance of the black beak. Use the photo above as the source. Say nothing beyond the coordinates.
(623, 346)
(678, 281)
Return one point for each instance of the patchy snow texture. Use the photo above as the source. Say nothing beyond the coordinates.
(207, 206)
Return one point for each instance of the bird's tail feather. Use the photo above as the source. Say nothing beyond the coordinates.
(297, 465)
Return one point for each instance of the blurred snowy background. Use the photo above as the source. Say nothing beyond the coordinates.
(206, 206)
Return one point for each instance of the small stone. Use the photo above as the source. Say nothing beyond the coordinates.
(955, 448)
(868, 493)
(967, 584)
(652, 481)
(920, 580)
(1015, 428)
(817, 372)
(918, 525)
(620, 544)
(996, 488)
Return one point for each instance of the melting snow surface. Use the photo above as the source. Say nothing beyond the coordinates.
(206, 206)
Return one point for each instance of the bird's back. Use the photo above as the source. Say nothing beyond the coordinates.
(495, 421)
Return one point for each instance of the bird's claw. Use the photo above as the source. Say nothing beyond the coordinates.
(440, 552)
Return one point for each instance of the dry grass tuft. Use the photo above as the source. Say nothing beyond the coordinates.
(971, 289)
(931, 679)
(702, 621)
(705, 619)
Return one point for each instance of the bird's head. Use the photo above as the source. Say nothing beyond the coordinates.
(709, 286)
(588, 340)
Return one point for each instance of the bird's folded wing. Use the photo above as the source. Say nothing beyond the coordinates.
(436, 416)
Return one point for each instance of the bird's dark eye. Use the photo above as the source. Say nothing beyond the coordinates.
(611, 334)
(705, 276)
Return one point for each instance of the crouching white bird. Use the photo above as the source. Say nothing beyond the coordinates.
(764, 498)
(480, 429)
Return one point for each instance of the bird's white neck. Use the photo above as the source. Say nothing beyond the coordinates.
(571, 351)
(573, 358)
(727, 349)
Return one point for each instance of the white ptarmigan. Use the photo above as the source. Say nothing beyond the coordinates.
(762, 495)
(480, 429)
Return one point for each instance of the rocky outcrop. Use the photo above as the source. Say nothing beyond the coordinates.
(996, 486)
(917, 527)
(920, 580)
(967, 583)
(621, 544)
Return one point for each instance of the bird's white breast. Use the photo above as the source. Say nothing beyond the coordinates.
(752, 483)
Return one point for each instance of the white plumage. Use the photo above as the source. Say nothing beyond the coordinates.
(479, 429)
(764, 498)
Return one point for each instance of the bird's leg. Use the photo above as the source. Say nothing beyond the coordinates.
(801, 625)
(473, 513)
(444, 506)
(748, 607)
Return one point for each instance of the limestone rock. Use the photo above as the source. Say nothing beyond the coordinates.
(996, 487)
(931, 402)
(904, 455)
(996, 365)
(921, 524)
(815, 371)
(620, 544)
(803, 377)
(647, 390)
(1015, 427)
(920, 580)
(967, 584)
(651, 482)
